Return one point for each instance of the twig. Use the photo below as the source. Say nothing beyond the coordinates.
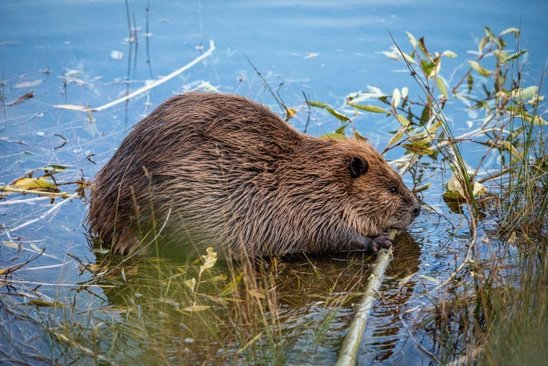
(417, 343)
(49, 212)
(27, 201)
(41, 193)
(349, 351)
(467, 260)
(87, 109)
(69, 285)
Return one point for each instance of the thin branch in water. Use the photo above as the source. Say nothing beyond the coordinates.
(147, 39)
(51, 211)
(276, 96)
(308, 113)
(7, 271)
(87, 109)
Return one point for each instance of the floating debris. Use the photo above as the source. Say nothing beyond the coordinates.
(22, 98)
(28, 84)
(116, 55)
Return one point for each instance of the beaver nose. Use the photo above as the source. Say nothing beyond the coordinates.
(417, 210)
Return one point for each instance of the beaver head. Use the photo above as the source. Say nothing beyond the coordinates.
(346, 192)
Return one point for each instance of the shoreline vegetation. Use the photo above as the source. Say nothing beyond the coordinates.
(489, 307)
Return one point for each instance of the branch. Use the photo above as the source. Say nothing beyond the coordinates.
(87, 109)
(349, 350)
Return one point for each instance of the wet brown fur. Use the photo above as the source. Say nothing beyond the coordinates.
(220, 170)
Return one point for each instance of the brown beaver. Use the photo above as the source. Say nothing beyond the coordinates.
(220, 170)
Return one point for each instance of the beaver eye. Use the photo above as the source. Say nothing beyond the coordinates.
(393, 189)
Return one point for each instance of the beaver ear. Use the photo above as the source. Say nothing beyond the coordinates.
(358, 166)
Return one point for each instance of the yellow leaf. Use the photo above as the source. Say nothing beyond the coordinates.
(10, 244)
(255, 293)
(368, 108)
(333, 136)
(191, 283)
(40, 184)
(479, 69)
(448, 53)
(209, 259)
(289, 113)
(456, 191)
(195, 308)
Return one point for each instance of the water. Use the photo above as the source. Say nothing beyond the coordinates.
(77, 52)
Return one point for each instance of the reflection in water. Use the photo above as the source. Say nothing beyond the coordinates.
(296, 310)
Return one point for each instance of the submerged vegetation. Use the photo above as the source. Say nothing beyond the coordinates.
(486, 302)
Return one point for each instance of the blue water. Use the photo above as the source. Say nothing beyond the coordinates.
(77, 52)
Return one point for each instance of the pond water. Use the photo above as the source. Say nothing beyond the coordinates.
(84, 53)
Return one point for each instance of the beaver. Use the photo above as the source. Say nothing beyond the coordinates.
(223, 171)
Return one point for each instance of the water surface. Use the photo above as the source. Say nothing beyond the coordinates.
(82, 52)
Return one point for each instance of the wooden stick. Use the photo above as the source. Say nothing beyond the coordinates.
(87, 109)
(351, 345)
(11, 189)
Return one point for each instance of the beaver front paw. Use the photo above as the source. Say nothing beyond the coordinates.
(380, 241)
(374, 243)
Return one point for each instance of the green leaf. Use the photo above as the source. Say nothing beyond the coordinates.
(425, 115)
(397, 137)
(524, 94)
(535, 120)
(442, 86)
(480, 69)
(341, 130)
(489, 33)
(470, 82)
(513, 56)
(419, 148)
(46, 303)
(402, 120)
(328, 108)
(482, 43)
(368, 108)
(428, 67)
